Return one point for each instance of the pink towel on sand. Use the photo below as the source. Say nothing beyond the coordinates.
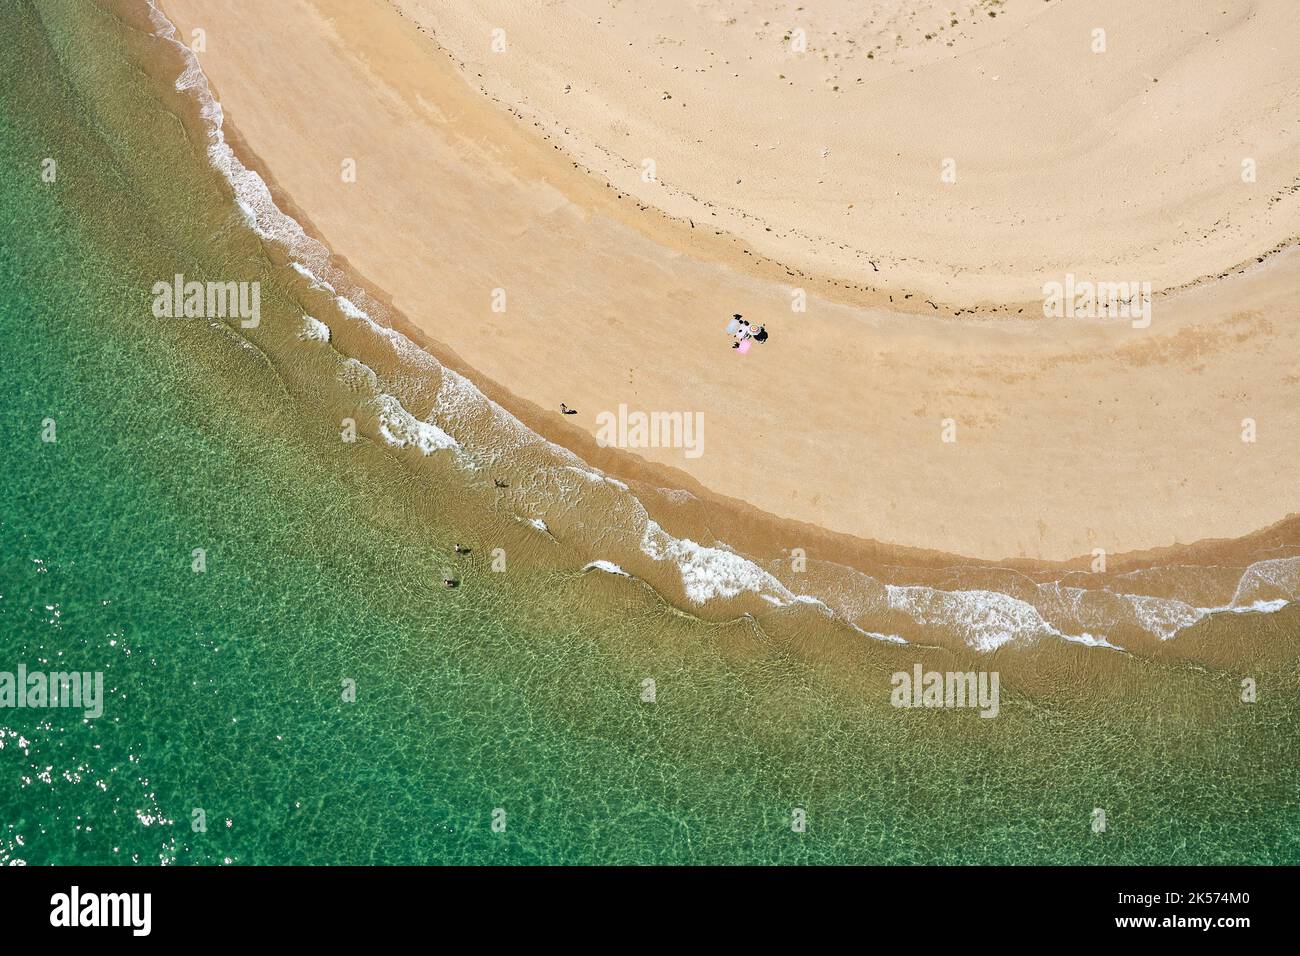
(744, 346)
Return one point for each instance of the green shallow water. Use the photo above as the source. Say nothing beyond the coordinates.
(518, 691)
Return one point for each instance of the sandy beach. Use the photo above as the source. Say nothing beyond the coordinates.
(912, 391)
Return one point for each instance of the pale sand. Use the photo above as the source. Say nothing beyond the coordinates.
(1071, 434)
(1120, 163)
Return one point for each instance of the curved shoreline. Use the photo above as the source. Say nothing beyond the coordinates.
(744, 521)
(748, 528)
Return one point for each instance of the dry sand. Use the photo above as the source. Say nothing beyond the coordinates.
(1121, 162)
(1071, 434)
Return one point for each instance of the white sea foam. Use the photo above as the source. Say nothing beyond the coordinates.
(986, 619)
(315, 281)
(710, 572)
(1257, 607)
(676, 494)
(878, 636)
(1199, 613)
(462, 404)
(596, 477)
(396, 338)
(828, 611)
(400, 428)
(314, 330)
(357, 375)
(1277, 577)
(1090, 641)
(609, 567)
(1263, 588)
(1163, 617)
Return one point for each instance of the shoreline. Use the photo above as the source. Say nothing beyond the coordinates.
(761, 533)
(744, 522)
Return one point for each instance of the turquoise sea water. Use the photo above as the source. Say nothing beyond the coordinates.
(519, 691)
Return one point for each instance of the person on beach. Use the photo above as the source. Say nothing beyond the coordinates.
(745, 334)
(565, 409)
